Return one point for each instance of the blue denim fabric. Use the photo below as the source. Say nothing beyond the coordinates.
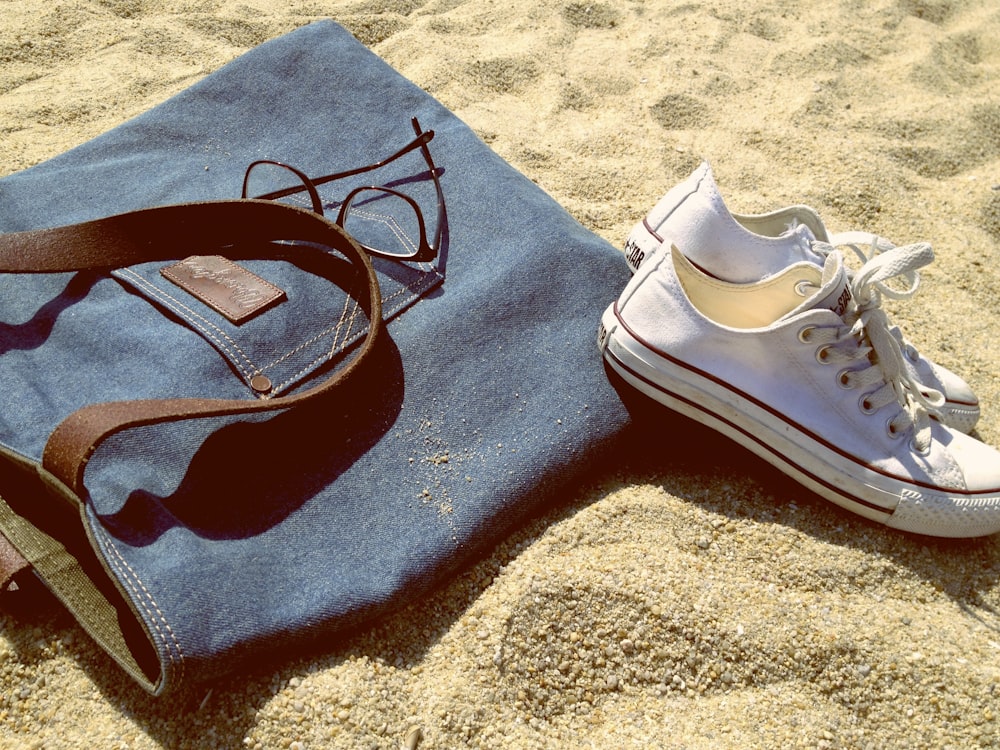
(232, 536)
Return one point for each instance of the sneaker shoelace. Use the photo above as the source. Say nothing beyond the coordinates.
(865, 246)
(872, 354)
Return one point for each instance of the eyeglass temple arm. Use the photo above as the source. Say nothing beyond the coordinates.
(423, 138)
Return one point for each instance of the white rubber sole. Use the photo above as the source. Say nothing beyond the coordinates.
(830, 473)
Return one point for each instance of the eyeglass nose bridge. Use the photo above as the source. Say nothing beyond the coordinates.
(420, 250)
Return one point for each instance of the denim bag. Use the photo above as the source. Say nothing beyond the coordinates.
(233, 426)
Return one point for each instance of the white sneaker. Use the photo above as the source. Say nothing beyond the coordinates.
(747, 248)
(821, 390)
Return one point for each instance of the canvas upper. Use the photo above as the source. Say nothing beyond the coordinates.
(748, 248)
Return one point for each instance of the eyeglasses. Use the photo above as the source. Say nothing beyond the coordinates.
(385, 221)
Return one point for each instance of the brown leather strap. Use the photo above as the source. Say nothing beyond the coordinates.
(11, 563)
(238, 229)
(169, 232)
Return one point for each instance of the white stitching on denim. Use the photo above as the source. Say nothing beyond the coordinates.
(157, 292)
(131, 579)
(300, 200)
(306, 344)
(349, 314)
(302, 372)
(329, 353)
(173, 304)
(335, 329)
(193, 318)
(389, 221)
(416, 290)
(336, 326)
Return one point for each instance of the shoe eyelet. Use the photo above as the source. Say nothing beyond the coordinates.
(803, 287)
(891, 431)
(805, 333)
(865, 404)
(823, 355)
(844, 379)
(911, 353)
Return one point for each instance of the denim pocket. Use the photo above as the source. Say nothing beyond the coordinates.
(311, 321)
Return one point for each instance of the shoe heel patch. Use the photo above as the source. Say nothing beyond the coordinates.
(641, 243)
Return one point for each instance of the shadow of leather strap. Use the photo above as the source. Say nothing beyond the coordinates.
(237, 229)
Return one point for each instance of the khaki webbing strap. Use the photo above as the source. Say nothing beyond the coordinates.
(48, 534)
(238, 229)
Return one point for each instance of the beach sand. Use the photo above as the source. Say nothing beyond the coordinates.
(691, 597)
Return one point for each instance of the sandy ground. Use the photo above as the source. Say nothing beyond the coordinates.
(692, 598)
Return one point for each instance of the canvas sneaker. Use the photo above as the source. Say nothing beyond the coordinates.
(816, 385)
(746, 248)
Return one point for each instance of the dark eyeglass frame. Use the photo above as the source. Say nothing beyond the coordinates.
(424, 251)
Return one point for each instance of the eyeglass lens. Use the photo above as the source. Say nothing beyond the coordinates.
(384, 221)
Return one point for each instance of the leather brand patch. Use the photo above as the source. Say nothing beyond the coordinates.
(224, 286)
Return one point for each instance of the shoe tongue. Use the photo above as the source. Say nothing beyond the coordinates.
(804, 238)
(801, 232)
(834, 292)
